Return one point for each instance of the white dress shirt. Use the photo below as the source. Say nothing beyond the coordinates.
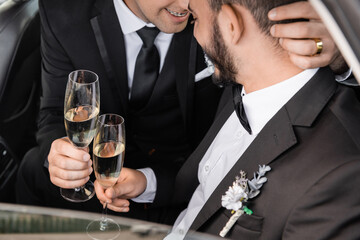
(233, 140)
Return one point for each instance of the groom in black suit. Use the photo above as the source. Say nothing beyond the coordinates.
(161, 131)
(300, 125)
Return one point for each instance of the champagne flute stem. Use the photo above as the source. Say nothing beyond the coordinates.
(81, 188)
(103, 223)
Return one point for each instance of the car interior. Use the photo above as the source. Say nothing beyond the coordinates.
(20, 67)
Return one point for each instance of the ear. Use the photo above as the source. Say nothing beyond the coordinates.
(231, 23)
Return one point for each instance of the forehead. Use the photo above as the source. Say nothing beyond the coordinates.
(199, 6)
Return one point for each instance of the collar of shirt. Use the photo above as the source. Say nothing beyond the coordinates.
(129, 22)
(260, 106)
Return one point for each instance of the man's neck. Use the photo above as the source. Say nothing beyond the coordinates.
(266, 68)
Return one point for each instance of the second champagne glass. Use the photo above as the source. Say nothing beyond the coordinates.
(81, 111)
(108, 158)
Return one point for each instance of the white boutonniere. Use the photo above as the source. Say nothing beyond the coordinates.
(209, 63)
(207, 72)
(239, 193)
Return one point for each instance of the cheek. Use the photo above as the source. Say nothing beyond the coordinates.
(150, 12)
(199, 34)
(202, 36)
(196, 31)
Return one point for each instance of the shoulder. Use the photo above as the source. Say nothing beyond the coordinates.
(65, 11)
(65, 18)
(334, 165)
(65, 4)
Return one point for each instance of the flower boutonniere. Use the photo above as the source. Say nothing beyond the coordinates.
(209, 63)
(239, 193)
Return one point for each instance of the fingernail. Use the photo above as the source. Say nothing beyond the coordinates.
(281, 41)
(273, 30)
(272, 14)
(86, 157)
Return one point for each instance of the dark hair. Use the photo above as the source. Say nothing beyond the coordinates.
(258, 8)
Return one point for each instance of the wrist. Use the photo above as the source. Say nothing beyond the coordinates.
(339, 65)
(148, 186)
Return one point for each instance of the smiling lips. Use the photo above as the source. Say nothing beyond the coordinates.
(177, 14)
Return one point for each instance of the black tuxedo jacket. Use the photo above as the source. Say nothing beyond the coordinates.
(86, 34)
(312, 145)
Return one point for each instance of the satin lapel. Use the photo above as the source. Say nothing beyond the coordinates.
(269, 144)
(111, 45)
(185, 70)
(191, 165)
(276, 137)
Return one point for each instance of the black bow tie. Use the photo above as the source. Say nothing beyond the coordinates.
(239, 107)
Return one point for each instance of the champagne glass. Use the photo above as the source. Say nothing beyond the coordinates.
(108, 158)
(81, 111)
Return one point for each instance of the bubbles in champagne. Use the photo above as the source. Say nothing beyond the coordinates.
(108, 160)
(80, 124)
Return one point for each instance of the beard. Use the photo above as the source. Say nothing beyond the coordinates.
(221, 58)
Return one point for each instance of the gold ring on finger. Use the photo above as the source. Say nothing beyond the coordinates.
(319, 45)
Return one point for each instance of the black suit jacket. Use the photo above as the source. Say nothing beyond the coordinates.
(86, 34)
(313, 147)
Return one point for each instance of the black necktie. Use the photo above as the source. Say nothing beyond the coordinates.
(239, 107)
(146, 68)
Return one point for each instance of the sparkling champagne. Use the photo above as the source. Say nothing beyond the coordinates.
(108, 160)
(80, 124)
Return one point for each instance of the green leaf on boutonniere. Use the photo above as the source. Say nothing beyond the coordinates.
(247, 210)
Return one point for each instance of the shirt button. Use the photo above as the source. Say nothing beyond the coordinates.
(181, 232)
(207, 168)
